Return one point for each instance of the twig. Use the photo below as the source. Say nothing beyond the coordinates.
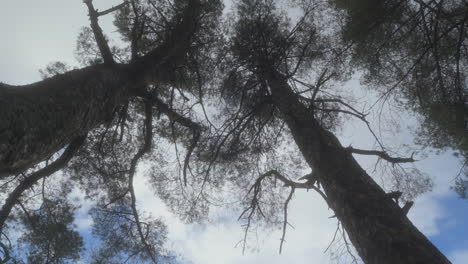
(285, 221)
(334, 237)
(348, 249)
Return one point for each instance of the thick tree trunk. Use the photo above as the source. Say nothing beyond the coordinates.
(376, 225)
(39, 119)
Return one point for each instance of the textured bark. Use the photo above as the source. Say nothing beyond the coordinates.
(40, 118)
(376, 225)
(37, 120)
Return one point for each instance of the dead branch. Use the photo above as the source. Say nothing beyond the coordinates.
(255, 206)
(112, 9)
(334, 237)
(285, 221)
(382, 154)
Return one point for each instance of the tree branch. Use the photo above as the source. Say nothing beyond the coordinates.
(146, 147)
(98, 35)
(285, 220)
(254, 203)
(184, 121)
(382, 154)
(93, 92)
(58, 164)
(112, 9)
(6, 254)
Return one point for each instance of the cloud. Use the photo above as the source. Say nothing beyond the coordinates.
(219, 243)
(459, 256)
(427, 213)
(83, 223)
(313, 230)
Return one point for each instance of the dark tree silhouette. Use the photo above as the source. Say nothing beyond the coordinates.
(103, 114)
(270, 83)
(416, 51)
(267, 59)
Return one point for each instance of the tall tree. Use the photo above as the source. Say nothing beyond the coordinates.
(107, 113)
(267, 57)
(98, 121)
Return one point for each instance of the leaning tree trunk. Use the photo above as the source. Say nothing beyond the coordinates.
(39, 119)
(376, 225)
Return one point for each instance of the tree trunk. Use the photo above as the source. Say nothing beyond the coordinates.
(39, 119)
(376, 225)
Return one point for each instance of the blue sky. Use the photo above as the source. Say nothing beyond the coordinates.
(453, 234)
(35, 33)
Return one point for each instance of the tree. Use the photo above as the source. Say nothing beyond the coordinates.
(266, 58)
(106, 114)
(86, 111)
(417, 52)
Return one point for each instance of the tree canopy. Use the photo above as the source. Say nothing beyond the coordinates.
(249, 102)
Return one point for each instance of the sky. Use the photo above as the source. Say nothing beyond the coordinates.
(35, 33)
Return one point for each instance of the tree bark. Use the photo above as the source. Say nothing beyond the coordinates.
(376, 225)
(38, 119)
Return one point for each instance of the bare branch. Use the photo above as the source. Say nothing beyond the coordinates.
(382, 154)
(334, 236)
(348, 249)
(256, 189)
(112, 9)
(285, 221)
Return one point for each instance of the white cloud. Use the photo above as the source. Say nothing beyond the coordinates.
(216, 243)
(426, 214)
(38, 38)
(459, 257)
(83, 224)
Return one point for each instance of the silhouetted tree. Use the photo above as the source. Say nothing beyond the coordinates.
(267, 60)
(270, 83)
(416, 51)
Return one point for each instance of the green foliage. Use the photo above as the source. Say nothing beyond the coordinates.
(461, 187)
(87, 51)
(248, 136)
(418, 52)
(50, 233)
(118, 233)
(54, 68)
